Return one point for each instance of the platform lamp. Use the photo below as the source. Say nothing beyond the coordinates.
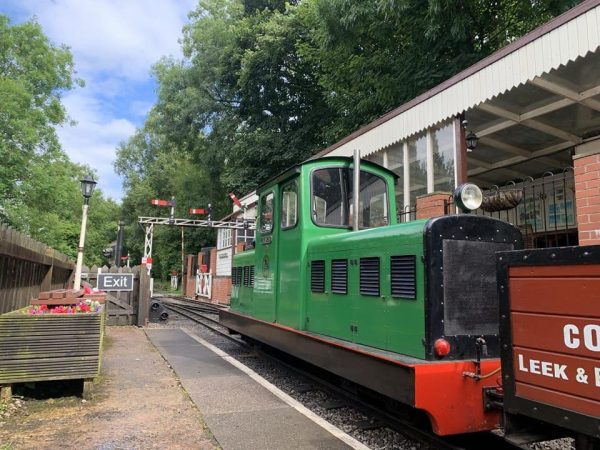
(87, 189)
(472, 141)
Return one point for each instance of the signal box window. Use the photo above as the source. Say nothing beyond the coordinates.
(332, 199)
(223, 238)
(266, 213)
(289, 206)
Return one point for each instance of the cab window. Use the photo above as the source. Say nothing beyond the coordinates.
(266, 213)
(289, 205)
(329, 197)
(332, 202)
(372, 200)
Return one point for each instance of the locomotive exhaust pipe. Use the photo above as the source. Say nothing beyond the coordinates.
(355, 189)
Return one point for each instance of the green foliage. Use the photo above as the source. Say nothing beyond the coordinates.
(39, 186)
(265, 84)
(33, 72)
(377, 55)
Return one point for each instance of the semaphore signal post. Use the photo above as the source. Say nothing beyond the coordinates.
(148, 223)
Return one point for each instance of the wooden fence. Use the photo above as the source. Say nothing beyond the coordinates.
(28, 267)
(124, 308)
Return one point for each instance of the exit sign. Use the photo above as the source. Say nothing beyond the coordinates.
(115, 281)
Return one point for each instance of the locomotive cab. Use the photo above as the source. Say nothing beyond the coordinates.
(304, 204)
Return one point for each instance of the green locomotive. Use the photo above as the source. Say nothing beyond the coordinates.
(403, 309)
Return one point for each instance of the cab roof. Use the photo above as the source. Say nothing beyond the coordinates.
(296, 169)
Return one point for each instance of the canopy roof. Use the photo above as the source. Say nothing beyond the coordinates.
(532, 99)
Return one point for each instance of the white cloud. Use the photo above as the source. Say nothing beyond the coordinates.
(121, 38)
(114, 44)
(94, 139)
(141, 108)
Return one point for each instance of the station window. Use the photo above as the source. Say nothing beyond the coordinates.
(289, 205)
(443, 159)
(266, 213)
(417, 168)
(244, 235)
(224, 238)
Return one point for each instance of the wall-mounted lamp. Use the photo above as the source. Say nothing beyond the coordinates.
(472, 141)
(471, 138)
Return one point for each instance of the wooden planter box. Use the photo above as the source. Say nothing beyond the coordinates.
(50, 346)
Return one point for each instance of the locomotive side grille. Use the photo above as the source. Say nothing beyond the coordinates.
(339, 276)
(369, 276)
(234, 276)
(317, 276)
(404, 276)
(246, 275)
(239, 275)
(251, 276)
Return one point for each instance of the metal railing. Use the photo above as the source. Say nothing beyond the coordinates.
(407, 214)
(546, 214)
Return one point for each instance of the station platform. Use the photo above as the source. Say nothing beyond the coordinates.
(240, 411)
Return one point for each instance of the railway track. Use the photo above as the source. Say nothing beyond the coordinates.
(193, 303)
(202, 315)
(206, 315)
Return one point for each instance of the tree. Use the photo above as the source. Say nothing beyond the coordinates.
(374, 56)
(33, 74)
(265, 84)
(39, 185)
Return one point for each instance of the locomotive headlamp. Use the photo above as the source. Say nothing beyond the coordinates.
(468, 197)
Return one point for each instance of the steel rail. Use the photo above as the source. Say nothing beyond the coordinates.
(195, 318)
(195, 308)
(190, 301)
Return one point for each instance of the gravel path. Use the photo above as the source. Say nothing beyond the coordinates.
(137, 404)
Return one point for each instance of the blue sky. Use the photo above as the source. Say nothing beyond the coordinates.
(114, 45)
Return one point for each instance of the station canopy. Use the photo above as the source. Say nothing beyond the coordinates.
(535, 126)
(531, 103)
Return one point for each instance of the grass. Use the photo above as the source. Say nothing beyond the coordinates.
(164, 287)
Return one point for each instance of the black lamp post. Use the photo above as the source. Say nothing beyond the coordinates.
(87, 189)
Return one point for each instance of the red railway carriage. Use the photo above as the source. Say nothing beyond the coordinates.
(550, 335)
